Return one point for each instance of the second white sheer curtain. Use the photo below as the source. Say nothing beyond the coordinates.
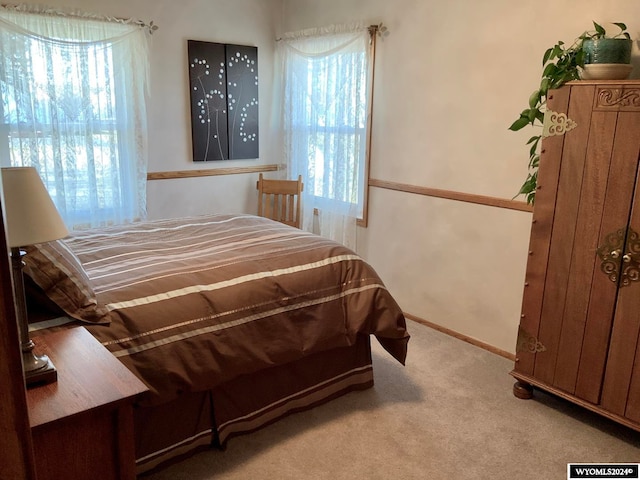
(325, 105)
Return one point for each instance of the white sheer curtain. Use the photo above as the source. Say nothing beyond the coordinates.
(325, 100)
(73, 106)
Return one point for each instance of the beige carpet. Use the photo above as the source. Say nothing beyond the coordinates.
(449, 414)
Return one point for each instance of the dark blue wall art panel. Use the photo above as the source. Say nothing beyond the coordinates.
(242, 99)
(224, 100)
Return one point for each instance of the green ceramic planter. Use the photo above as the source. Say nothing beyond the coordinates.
(607, 50)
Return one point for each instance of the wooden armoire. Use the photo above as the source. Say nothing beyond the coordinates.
(580, 320)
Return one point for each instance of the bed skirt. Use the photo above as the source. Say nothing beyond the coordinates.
(197, 421)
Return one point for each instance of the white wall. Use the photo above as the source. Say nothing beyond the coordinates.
(244, 22)
(450, 78)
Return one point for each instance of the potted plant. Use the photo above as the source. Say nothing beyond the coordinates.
(562, 64)
(607, 57)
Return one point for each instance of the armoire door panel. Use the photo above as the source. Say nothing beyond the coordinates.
(622, 349)
(563, 233)
(583, 259)
(619, 194)
(624, 334)
(632, 411)
(541, 228)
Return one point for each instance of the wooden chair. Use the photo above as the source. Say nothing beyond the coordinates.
(280, 200)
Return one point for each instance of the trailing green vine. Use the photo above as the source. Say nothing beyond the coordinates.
(560, 64)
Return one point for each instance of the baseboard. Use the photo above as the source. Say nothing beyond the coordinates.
(460, 336)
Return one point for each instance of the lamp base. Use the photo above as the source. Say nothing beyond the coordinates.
(38, 369)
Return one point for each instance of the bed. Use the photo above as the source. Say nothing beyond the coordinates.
(232, 321)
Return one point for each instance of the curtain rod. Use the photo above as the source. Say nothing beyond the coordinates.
(379, 29)
(76, 13)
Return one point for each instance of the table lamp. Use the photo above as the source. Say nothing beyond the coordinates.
(31, 217)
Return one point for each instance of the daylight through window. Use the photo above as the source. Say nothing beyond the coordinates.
(73, 108)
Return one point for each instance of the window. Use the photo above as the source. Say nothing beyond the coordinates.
(326, 102)
(332, 127)
(73, 107)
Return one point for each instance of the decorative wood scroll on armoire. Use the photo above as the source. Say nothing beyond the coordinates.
(580, 320)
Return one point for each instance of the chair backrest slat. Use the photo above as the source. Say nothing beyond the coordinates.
(280, 200)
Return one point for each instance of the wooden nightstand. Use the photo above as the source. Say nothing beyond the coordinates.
(82, 425)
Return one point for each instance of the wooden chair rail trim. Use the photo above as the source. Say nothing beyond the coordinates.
(452, 195)
(210, 172)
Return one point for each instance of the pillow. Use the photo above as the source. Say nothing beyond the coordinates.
(60, 275)
(39, 306)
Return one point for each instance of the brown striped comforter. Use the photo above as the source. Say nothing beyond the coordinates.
(197, 302)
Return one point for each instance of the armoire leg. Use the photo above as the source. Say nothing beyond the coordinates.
(522, 390)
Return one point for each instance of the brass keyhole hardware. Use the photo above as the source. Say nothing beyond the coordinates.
(619, 267)
(610, 252)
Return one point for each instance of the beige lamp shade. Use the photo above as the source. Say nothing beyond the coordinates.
(31, 215)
